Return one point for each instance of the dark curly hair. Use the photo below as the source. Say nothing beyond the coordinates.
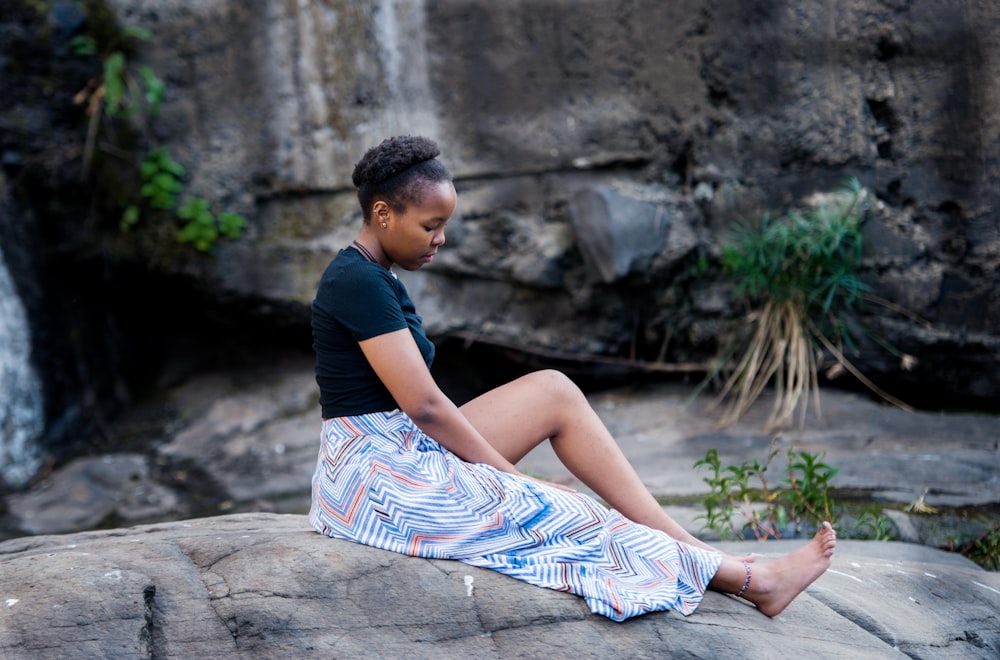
(398, 171)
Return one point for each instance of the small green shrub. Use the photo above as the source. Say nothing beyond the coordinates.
(131, 94)
(741, 500)
(985, 549)
(730, 494)
(799, 275)
(121, 90)
(873, 525)
(203, 228)
(161, 176)
(809, 481)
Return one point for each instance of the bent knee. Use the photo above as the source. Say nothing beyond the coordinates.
(557, 385)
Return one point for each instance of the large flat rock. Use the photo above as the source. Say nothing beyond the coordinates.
(265, 586)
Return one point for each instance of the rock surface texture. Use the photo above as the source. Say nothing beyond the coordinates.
(260, 583)
(246, 440)
(267, 586)
(678, 119)
(602, 152)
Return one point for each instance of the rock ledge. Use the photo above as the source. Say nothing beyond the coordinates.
(266, 585)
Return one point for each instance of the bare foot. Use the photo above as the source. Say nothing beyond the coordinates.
(776, 584)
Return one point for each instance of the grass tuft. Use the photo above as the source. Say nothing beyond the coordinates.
(799, 275)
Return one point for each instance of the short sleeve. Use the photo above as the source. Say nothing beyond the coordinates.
(364, 300)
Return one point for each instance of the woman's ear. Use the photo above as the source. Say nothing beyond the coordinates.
(380, 213)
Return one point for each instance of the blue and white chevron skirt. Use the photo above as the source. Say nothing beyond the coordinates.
(381, 481)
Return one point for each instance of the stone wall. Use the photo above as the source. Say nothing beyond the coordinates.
(601, 150)
(687, 114)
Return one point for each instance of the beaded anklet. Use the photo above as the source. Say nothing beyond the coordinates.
(746, 583)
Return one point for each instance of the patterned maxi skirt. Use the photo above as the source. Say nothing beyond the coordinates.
(382, 482)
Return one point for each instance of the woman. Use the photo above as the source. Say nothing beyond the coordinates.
(401, 467)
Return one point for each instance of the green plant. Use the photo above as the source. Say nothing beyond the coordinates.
(203, 228)
(161, 179)
(735, 506)
(127, 92)
(874, 525)
(730, 492)
(985, 549)
(161, 176)
(800, 276)
(121, 90)
(809, 481)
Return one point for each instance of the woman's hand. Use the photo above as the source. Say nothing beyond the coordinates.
(399, 365)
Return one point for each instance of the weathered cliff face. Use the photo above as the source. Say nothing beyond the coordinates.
(678, 118)
(601, 150)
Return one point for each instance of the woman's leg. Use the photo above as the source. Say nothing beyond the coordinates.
(518, 416)
(771, 586)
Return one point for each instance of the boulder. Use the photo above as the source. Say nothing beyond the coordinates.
(267, 585)
(112, 487)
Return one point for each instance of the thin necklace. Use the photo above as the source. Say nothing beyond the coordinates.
(364, 252)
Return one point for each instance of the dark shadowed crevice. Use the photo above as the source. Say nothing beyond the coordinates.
(147, 635)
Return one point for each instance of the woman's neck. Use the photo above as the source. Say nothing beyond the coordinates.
(371, 249)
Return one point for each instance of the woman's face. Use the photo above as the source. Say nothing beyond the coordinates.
(412, 238)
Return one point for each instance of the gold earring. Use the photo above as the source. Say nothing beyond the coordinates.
(384, 226)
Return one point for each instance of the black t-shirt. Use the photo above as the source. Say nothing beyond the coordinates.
(358, 300)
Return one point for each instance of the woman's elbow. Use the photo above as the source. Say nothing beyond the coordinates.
(425, 410)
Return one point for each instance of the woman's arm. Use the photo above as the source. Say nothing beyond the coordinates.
(397, 361)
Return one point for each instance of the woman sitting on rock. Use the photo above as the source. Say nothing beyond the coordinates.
(401, 467)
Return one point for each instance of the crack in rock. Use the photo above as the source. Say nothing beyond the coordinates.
(858, 617)
(146, 643)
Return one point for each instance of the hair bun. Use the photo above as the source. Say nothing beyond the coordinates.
(391, 157)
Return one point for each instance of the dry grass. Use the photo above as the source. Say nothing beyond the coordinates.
(799, 277)
(780, 351)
